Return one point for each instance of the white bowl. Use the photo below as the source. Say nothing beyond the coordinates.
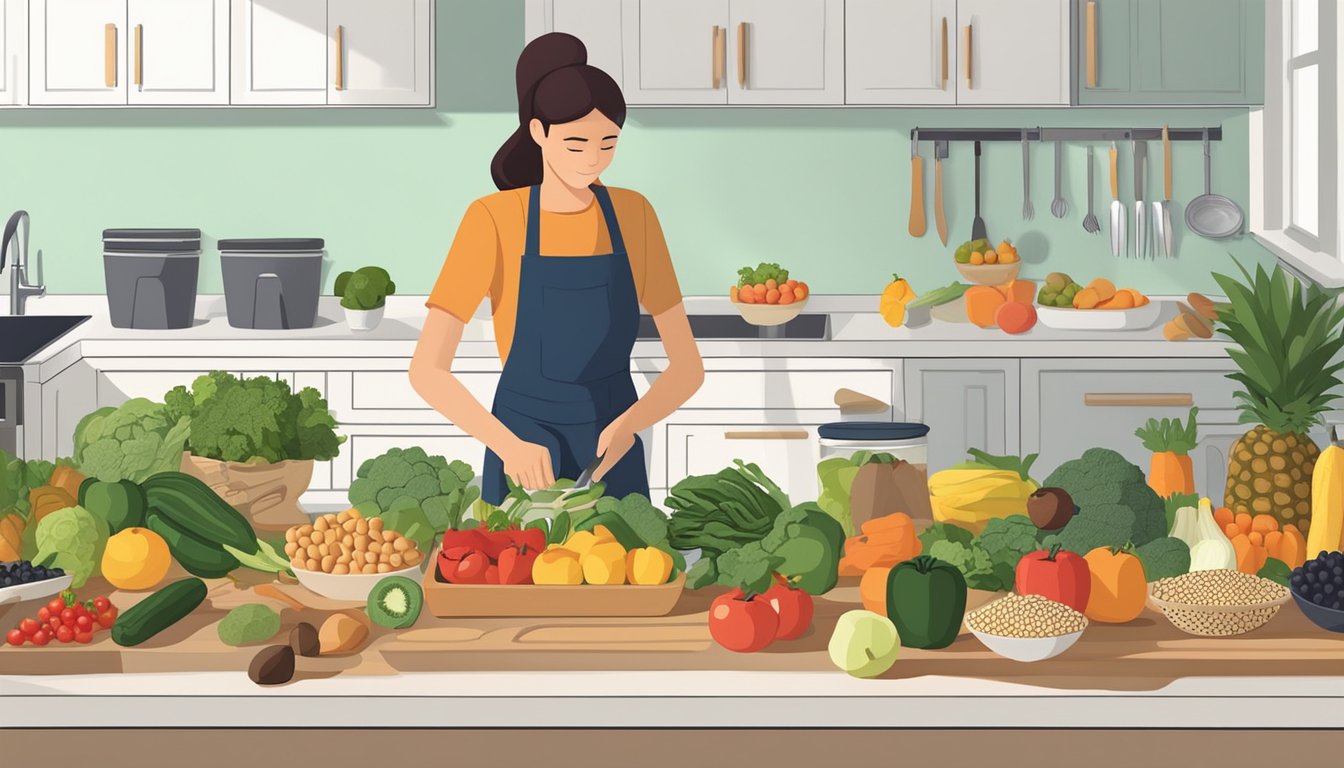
(1028, 648)
(1135, 319)
(351, 587)
(769, 314)
(22, 593)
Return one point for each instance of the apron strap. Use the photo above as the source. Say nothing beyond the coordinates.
(609, 213)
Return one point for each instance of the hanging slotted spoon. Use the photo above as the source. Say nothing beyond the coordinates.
(1090, 222)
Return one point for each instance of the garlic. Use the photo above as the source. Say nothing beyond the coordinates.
(1209, 548)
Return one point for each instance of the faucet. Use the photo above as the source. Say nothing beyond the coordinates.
(16, 231)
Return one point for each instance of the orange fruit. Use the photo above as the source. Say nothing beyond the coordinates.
(732, 293)
(772, 295)
(771, 284)
(991, 257)
(977, 258)
(800, 291)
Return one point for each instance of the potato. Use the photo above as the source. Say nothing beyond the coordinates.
(341, 633)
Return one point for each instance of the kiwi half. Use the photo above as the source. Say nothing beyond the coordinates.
(395, 602)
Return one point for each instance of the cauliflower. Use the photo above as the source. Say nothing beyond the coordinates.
(1115, 505)
(72, 539)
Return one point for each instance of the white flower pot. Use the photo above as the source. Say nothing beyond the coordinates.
(363, 319)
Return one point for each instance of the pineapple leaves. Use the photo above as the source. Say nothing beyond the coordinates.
(1288, 337)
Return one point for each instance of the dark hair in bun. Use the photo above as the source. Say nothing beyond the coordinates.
(555, 85)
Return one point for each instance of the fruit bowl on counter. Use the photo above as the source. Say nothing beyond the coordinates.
(1065, 305)
(765, 295)
(981, 263)
(1136, 319)
(989, 274)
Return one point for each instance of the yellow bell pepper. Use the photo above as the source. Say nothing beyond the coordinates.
(583, 541)
(894, 298)
(604, 564)
(648, 566)
(557, 566)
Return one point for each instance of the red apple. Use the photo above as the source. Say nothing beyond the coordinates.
(741, 623)
(794, 607)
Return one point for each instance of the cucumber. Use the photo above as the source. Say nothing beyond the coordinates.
(192, 506)
(200, 558)
(158, 612)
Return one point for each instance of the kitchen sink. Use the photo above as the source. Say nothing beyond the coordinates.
(22, 336)
(734, 327)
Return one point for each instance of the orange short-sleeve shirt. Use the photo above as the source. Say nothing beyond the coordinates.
(486, 256)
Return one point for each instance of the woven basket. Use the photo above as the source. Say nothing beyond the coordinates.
(266, 494)
(1218, 620)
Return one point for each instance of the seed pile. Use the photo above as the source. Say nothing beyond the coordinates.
(1026, 616)
(1220, 587)
(349, 543)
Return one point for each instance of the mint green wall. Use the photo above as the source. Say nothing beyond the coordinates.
(822, 191)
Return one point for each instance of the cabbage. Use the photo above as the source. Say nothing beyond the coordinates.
(71, 539)
(132, 441)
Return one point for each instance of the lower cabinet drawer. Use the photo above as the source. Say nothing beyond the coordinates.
(787, 453)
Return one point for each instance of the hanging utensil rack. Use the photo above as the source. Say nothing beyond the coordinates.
(1214, 133)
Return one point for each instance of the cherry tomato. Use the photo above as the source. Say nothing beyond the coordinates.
(15, 637)
(43, 614)
(101, 604)
(107, 618)
(84, 637)
(55, 622)
(81, 609)
(83, 624)
(68, 616)
(65, 634)
(56, 606)
(29, 627)
(41, 638)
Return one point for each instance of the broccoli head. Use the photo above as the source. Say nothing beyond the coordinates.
(1115, 505)
(441, 488)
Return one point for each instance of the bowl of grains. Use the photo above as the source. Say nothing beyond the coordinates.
(1217, 603)
(343, 556)
(1026, 627)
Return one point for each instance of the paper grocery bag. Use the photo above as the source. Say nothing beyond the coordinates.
(266, 494)
(881, 489)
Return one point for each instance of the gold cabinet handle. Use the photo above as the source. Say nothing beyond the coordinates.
(1091, 44)
(969, 82)
(139, 56)
(1133, 399)
(777, 434)
(340, 57)
(944, 67)
(716, 56)
(742, 54)
(110, 55)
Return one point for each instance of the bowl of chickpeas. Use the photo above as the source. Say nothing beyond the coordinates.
(343, 556)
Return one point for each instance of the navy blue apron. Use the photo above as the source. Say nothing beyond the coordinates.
(567, 375)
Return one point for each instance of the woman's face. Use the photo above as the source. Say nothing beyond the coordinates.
(577, 152)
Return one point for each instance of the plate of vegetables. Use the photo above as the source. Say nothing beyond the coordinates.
(766, 295)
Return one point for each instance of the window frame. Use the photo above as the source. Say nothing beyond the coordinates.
(1315, 256)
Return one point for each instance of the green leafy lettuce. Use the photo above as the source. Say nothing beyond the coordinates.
(71, 539)
(256, 420)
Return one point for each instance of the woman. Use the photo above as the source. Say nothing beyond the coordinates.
(566, 263)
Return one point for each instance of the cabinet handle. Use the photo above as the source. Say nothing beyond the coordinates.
(716, 56)
(1121, 400)
(778, 434)
(110, 55)
(944, 67)
(139, 50)
(969, 82)
(340, 57)
(1091, 44)
(742, 54)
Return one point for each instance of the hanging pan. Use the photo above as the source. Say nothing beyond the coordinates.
(1211, 215)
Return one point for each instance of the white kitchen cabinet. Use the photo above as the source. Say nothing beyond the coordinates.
(380, 52)
(178, 51)
(901, 52)
(675, 52)
(13, 52)
(966, 404)
(786, 453)
(1018, 52)
(786, 53)
(76, 52)
(596, 22)
(279, 52)
(52, 410)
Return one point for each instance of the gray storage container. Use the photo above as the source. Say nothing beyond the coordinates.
(272, 283)
(150, 276)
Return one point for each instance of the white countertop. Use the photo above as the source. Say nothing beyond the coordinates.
(659, 699)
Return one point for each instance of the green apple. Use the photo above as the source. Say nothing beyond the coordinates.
(864, 644)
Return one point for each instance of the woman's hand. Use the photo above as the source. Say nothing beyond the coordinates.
(614, 442)
(528, 464)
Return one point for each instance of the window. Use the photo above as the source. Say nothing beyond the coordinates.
(1295, 140)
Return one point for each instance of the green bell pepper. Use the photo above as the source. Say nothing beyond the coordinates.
(926, 600)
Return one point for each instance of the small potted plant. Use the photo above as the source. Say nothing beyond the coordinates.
(363, 295)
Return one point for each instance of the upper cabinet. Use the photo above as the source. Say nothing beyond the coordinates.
(1169, 52)
(337, 52)
(596, 22)
(13, 52)
(1013, 53)
(675, 52)
(900, 52)
(77, 52)
(786, 53)
(178, 51)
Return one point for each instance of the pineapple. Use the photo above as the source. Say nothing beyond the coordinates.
(1286, 342)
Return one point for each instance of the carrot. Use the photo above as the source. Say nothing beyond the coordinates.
(772, 295)
(1257, 538)
(1231, 531)
(1244, 522)
(770, 284)
(732, 293)
(1222, 516)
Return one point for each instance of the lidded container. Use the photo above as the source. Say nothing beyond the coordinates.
(907, 441)
(858, 484)
(272, 283)
(150, 275)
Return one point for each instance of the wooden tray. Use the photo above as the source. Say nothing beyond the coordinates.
(463, 600)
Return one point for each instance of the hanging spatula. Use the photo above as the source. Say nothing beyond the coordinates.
(978, 231)
(918, 224)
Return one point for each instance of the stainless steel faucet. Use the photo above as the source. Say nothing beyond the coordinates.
(16, 232)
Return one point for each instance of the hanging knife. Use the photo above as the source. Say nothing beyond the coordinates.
(1118, 225)
(1162, 208)
(918, 224)
(1140, 215)
(939, 217)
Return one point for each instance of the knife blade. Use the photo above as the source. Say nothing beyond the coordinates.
(1140, 215)
(1165, 234)
(939, 217)
(918, 224)
(585, 477)
(1117, 208)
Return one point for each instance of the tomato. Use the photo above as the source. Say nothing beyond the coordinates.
(29, 627)
(794, 607)
(742, 624)
(84, 637)
(463, 565)
(56, 606)
(65, 634)
(83, 624)
(15, 637)
(1057, 575)
(41, 638)
(54, 622)
(81, 609)
(107, 618)
(43, 615)
(68, 616)
(101, 604)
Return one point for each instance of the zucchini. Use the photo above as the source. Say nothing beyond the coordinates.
(158, 612)
(121, 503)
(192, 506)
(200, 558)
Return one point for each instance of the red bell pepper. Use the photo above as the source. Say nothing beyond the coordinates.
(515, 564)
(534, 538)
(1061, 576)
(472, 538)
(495, 542)
(463, 565)
(492, 574)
